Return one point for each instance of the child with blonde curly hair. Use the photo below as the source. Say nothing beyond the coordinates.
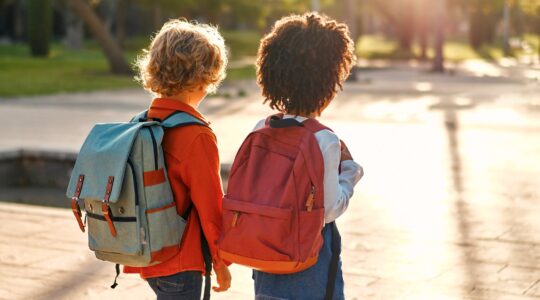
(184, 62)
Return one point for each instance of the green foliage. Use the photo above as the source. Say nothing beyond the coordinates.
(245, 72)
(242, 43)
(39, 26)
(78, 71)
(378, 47)
(531, 9)
(484, 15)
(62, 71)
(233, 14)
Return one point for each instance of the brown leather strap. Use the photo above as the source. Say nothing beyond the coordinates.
(107, 213)
(108, 190)
(79, 186)
(75, 204)
(77, 213)
(108, 217)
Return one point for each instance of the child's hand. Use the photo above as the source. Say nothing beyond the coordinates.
(345, 154)
(223, 277)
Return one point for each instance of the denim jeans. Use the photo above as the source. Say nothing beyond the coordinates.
(184, 285)
(309, 284)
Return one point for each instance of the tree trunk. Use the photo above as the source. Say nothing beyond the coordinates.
(405, 35)
(39, 26)
(74, 30)
(18, 30)
(506, 28)
(438, 61)
(402, 20)
(121, 13)
(158, 17)
(423, 43)
(352, 14)
(109, 46)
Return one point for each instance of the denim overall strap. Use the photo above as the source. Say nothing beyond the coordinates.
(207, 266)
(336, 251)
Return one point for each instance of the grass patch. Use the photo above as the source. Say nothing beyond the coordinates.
(245, 72)
(379, 47)
(242, 43)
(66, 70)
(62, 71)
(374, 46)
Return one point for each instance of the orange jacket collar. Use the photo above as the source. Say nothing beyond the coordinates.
(175, 105)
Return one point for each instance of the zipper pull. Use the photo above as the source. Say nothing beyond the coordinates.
(311, 199)
(235, 218)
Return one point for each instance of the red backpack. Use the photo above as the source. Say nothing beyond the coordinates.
(273, 213)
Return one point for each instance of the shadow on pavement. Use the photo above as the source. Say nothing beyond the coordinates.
(451, 123)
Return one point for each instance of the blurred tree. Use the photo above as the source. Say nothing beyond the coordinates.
(39, 26)
(401, 15)
(240, 14)
(531, 10)
(161, 9)
(109, 46)
(440, 20)
(506, 28)
(352, 16)
(484, 15)
(120, 28)
(74, 30)
(424, 25)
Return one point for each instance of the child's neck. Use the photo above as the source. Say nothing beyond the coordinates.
(191, 98)
(312, 115)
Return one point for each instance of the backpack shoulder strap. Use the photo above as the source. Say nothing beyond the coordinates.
(334, 261)
(314, 125)
(140, 117)
(180, 118)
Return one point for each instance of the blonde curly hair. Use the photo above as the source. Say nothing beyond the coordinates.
(183, 56)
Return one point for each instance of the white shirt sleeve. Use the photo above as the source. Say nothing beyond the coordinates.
(259, 125)
(338, 186)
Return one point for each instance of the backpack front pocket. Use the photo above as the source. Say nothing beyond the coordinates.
(310, 225)
(127, 239)
(257, 231)
(165, 230)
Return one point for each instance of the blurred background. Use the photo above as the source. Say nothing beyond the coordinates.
(442, 111)
(84, 40)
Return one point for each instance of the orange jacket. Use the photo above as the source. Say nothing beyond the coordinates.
(192, 161)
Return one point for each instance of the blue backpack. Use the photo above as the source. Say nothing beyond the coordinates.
(120, 179)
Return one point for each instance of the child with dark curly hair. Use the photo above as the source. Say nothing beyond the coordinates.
(301, 65)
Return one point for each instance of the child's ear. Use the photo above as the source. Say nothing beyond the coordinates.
(203, 88)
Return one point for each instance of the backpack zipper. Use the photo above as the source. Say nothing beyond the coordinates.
(154, 146)
(135, 185)
(310, 199)
(235, 218)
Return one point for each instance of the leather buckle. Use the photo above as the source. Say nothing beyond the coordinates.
(107, 214)
(76, 209)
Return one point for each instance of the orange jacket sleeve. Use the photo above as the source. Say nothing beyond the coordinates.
(201, 175)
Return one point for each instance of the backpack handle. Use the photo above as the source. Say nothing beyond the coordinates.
(277, 121)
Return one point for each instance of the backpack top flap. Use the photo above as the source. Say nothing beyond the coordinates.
(104, 154)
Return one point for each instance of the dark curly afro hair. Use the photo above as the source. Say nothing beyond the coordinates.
(303, 62)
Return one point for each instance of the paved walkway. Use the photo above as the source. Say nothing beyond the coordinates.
(448, 208)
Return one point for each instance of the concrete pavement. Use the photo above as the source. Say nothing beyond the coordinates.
(448, 208)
